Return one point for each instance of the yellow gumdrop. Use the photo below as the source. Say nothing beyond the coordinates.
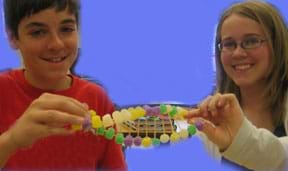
(169, 108)
(146, 142)
(92, 112)
(174, 137)
(184, 134)
(164, 138)
(141, 111)
(107, 120)
(182, 112)
(117, 117)
(134, 114)
(96, 122)
(125, 114)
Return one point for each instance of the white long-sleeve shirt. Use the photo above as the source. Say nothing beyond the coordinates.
(258, 149)
(255, 148)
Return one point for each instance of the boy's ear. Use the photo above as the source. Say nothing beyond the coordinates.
(12, 39)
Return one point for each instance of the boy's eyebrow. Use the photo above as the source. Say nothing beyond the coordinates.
(34, 24)
(38, 24)
(68, 21)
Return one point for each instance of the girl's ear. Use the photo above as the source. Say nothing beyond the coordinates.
(12, 39)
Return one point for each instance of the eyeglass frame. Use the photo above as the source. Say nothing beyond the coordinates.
(241, 44)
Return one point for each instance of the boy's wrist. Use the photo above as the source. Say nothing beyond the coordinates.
(8, 143)
(7, 146)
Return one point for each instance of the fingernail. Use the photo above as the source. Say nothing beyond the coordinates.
(85, 105)
(80, 120)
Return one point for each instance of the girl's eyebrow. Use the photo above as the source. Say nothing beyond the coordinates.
(245, 36)
(252, 34)
(227, 38)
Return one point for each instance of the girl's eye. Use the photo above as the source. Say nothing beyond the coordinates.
(229, 44)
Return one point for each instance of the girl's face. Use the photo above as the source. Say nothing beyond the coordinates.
(250, 65)
(48, 42)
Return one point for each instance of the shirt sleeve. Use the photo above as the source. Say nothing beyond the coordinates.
(258, 149)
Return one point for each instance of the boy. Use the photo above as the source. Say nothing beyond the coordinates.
(38, 102)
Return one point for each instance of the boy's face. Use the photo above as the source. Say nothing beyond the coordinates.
(48, 42)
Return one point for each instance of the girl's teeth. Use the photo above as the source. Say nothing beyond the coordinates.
(243, 67)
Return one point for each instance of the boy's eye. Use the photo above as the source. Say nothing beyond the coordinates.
(37, 33)
(67, 29)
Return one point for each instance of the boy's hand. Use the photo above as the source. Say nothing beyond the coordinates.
(219, 117)
(46, 116)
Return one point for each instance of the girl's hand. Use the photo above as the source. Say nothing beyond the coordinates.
(219, 117)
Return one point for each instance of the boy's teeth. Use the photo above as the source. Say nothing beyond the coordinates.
(55, 59)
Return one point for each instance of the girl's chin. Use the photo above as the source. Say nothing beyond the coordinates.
(242, 82)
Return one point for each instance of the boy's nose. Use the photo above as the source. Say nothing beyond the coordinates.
(55, 43)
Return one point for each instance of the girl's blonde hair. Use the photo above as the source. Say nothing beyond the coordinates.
(276, 33)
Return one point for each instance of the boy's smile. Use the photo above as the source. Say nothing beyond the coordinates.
(48, 42)
(55, 59)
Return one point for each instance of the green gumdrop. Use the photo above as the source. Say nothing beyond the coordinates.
(155, 141)
(101, 131)
(163, 109)
(119, 139)
(191, 129)
(173, 112)
(109, 133)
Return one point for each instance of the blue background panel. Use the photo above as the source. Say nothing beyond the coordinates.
(146, 51)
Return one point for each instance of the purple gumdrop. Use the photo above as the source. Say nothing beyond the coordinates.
(146, 107)
(149, 110)
(137, 141)
(199, 125)
(156, 110)
(87, 123)
(128, 140)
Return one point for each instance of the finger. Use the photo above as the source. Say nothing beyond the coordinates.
(203, 106)
(222, 102)
(212, 105)
(57, 131)
(227, 101)
(63, 103)
(193, 120)
(55, 117)
(192, 113)
(207, 128)
(231, 98)
(202, 125)
(214, 134)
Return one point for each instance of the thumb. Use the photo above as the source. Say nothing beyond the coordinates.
(206, 127)
(213, 133)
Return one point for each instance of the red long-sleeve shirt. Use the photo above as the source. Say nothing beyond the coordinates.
(81, 151)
